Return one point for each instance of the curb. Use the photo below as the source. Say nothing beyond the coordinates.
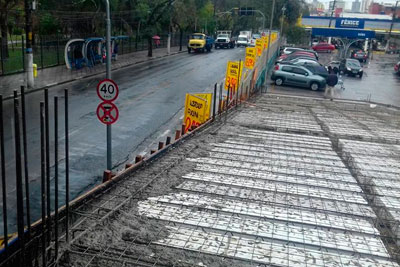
(92, 75)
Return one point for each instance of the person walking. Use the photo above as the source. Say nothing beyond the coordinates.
(331, 81)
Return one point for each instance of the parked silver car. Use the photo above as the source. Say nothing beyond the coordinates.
(298, 76)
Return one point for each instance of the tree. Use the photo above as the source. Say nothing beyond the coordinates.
(6, 7)
(205, 17)
(151, 12)
(183, 15)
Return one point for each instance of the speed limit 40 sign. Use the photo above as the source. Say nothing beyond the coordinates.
(107, 90)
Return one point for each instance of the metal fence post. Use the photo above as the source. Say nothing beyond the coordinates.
(28, 214)
(58, 48)
(43, 182)
(47, 138)
(215, 99)
(3, 178)
(66, 166)
(23, 52)
(55, 176)
(41, 52)
(220, 99)
(2, 59)
(19, 189)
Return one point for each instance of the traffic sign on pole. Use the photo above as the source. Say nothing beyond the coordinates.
(107, 113)
(107, 90)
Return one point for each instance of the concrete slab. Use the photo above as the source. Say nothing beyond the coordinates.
(274, 185)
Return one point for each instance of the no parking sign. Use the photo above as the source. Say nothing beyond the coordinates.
(107, 112)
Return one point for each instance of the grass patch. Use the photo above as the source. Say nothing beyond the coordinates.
(14, 63)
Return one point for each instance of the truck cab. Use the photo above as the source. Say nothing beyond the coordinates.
(224, 40)
(199, 42)
(242, 41)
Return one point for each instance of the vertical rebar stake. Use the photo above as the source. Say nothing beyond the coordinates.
(3, 178)
(47, 138)
(28, 213)
(55, 177)
(43, 182)
(19, 186)
(66, 167)
(215, 99)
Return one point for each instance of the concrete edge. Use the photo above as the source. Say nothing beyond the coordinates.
(337, 100)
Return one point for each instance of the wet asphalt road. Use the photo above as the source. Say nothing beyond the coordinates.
(150, 103)
(378, 84)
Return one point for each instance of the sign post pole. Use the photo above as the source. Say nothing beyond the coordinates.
(108, 51)
(107, 112)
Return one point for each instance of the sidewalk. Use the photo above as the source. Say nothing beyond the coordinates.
(60, 74)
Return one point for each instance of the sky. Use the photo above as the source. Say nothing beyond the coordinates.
(348, 2)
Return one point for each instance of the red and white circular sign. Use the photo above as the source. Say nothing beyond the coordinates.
(107, 112)
(107, 90)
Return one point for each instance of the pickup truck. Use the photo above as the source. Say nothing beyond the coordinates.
(199, 42)
(224, 40)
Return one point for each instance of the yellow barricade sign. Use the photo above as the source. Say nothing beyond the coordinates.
(250, 60)
(208, 98)
(259, 46)
(195, 110)
(274, 36)
(233, 74)
(265, 42)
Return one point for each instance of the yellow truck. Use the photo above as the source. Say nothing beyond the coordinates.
(199, 42)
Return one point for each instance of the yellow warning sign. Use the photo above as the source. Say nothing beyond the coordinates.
(233, 74)
(259, 46)
(250, 60)
(195, 110)
(208, 98)
(265, 42)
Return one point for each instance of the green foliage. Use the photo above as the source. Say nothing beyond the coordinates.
(147, 17)
(224, 21)
(296, 35)
(48, 24)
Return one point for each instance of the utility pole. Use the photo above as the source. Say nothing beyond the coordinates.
(281, 37)
(391, 26)
(29, 6)
(330, 20)
(270, 30)
(333, 10)
(108, 76)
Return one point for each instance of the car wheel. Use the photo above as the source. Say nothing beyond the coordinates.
(189, 50)
(360, 75)
(314, 86)
(278, 81)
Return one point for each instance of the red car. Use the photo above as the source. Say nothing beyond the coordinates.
(295, 55)
(323, 47)
(397, 68)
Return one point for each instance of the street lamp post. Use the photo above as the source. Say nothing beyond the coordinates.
(263, 16)
(253, 10)
(269, 32)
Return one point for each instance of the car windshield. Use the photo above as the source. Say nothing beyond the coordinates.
(353, 63)
(242, 39)
(256, 36)
(197, 36)
(223, 36)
